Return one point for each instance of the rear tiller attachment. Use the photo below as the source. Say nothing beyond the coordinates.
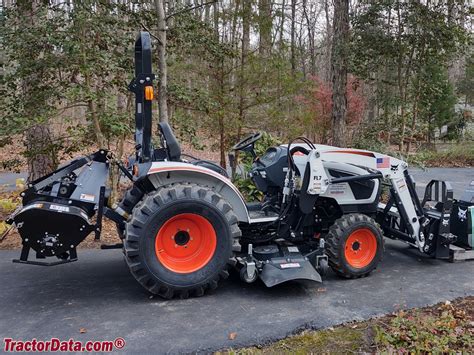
(58, 209)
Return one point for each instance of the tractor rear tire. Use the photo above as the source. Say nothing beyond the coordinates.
(130, 199)
(354, 245)
(178, 241)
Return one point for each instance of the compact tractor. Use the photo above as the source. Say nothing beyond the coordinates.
(183, 223)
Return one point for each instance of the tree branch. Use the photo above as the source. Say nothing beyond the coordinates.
(189, 9)
(151, 33)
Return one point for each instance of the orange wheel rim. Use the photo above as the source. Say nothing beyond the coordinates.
(360, 248)
(185, 243)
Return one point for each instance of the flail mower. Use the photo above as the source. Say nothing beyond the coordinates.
(183, 222)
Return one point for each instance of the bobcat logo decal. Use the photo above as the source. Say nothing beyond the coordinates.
(462, 214)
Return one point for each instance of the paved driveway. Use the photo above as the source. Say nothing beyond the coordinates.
(458, 177)
(99, 294)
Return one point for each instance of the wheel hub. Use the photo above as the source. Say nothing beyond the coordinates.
(355, 245)
(182, 238)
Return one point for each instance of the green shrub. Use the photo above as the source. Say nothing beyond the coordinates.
(426, 333)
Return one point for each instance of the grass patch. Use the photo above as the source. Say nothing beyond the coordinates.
(340, 340)
(461, 155)
(443, 328)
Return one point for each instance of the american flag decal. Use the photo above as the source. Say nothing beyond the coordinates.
(383, 163)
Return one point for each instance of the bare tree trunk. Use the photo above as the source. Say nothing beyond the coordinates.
(339, 71)
(301, 51)
(219, 76)
(293, 37)
(327, 43)
(39, 151)
(40, 154)
(311, 30)
(265, 26)
(246, 13)
(95, 108)
(123, 103)
(399, 80)
(387, 118)
(413, 123)
(162, 65)
(282, 24)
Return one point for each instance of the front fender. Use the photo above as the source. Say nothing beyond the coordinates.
(165, 173)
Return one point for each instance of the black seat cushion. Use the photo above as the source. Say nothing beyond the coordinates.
(170, 142)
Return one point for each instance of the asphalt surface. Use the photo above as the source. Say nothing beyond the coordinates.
(458, 177)
(98, 293)
(8, 180)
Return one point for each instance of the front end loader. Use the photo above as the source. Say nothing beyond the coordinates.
(184, 224)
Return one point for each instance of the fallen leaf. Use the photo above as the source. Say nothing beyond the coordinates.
(20, 183)
(232, 335)
(321, 289)
(3, 227)
(83, 330)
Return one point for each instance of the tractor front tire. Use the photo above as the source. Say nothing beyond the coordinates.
(178, 241)
(354, 245)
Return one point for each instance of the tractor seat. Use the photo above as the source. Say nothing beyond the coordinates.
(170, 143)
(173, 150)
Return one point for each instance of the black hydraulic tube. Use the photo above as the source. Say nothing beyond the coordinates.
(397, 234)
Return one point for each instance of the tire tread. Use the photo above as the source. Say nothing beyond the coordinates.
(334, 242)
(153, 202)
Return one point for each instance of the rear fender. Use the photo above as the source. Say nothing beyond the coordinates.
(165, 173)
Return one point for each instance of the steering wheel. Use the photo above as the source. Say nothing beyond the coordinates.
(248, 141)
